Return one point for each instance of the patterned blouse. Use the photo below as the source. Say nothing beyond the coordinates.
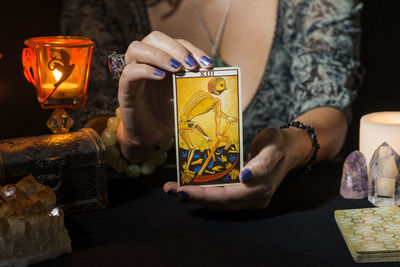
(313, 62)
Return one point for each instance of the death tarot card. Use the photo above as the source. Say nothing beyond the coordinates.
(208, 125)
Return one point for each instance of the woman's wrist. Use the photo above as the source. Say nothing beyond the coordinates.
(98, 124)
(298, 147)
(130, 148)
(124, 155)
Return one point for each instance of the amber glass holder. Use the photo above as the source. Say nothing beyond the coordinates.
(58, 67)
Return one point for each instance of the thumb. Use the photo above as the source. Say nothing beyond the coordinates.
(260, 166)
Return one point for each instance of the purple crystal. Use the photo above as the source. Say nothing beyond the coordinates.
(354, 178)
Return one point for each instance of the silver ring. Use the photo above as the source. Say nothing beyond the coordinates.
(116, 64)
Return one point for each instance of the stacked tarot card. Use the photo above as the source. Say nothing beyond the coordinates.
(371, 234)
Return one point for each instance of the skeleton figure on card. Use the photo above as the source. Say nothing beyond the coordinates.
(207, 113)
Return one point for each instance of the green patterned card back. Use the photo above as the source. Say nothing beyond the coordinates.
(371, 234)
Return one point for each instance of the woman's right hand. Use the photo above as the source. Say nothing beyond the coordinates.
(145, 90)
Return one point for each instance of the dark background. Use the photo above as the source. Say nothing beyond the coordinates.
(298, 227)
(21, 115)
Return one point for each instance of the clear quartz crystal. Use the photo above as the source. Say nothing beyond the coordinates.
(384, 177)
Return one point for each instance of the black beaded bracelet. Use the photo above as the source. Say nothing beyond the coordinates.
(310, 131)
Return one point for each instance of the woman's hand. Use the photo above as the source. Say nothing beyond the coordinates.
(273, 154)
(261, 176)
(145, 89)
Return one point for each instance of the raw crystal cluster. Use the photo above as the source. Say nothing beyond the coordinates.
(384, 177)
(31, 227)
(354, 178)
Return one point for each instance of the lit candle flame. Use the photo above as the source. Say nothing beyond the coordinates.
(57, 74)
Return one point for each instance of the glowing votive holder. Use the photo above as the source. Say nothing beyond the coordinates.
(58, 66)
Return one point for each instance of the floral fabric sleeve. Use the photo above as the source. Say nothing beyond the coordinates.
(325, 67)
(112, 25)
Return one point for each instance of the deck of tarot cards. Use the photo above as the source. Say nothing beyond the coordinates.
(371, 234)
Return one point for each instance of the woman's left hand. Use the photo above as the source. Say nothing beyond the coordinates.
(267, 167)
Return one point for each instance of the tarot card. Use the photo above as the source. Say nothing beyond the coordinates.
(208, 126)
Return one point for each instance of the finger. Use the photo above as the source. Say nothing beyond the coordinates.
(261, 166)
(224, 198)
(201, 57)
(135, 72)
(172, 47)
(223, 195)
(170, 188)
(139, 52)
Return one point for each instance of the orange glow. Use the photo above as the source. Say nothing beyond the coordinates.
(57, 74)
(58, 66)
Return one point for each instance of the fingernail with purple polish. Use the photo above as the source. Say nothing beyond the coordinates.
(247, 176)
(175, 64)
(171, 192)
(205, 61)
(183, 194)
(190, 61)
(158, 72)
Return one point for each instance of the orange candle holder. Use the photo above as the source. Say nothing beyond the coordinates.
(58, 66)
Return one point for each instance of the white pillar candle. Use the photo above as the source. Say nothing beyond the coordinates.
(376, 128)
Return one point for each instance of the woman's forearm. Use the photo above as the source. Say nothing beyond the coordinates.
(330, 127)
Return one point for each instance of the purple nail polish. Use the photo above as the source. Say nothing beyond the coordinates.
(175, 64)
(190, 61)
(247, 176)
(183, 194)
(158, 72)
(205, 61)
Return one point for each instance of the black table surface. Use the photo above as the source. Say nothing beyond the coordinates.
(145, 227)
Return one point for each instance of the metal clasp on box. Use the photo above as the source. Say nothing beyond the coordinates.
(50, 172)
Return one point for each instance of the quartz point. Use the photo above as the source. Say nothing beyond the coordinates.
(354, 178)
(31, 227)
(384, 177)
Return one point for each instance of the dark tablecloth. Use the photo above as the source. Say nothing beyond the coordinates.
(145, 227)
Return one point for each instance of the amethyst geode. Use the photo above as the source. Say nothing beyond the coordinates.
(355, 177)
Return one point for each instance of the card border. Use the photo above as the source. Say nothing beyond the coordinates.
(183, 74)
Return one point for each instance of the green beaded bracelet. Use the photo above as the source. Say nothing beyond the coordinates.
(119, 164)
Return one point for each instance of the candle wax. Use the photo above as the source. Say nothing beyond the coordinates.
(65, 90)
